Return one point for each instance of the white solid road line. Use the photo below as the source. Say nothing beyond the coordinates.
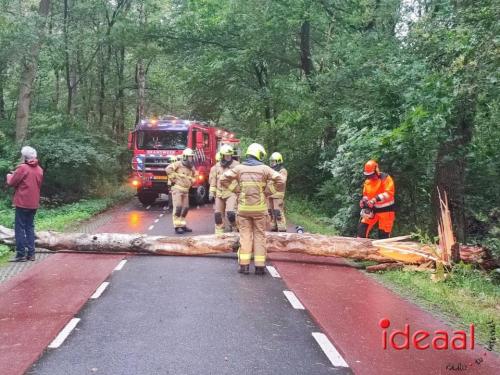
(64, 333)
(294, 301)
(151, 227)
(330, 350)
(273, 272)
(99, 290)
(120, 265)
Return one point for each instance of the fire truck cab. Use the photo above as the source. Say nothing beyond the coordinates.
(154, 140)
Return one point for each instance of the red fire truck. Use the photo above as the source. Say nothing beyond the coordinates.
(154, 140)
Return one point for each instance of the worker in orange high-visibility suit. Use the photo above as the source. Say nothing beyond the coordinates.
(377, 204)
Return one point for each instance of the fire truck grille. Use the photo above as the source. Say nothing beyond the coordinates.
(156, 162)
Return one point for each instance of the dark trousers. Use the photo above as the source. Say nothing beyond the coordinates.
(25, 231)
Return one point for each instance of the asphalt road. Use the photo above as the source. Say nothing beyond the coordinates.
(186, 315)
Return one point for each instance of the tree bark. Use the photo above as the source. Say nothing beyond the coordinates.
(140, 73)
(2, 101)
(305, 51)
(451, 164)
(28, 73)
(312, 244)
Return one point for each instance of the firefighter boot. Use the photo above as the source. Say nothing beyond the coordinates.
(179, 230)
(260, 270)
(187, 229)
(244, 269)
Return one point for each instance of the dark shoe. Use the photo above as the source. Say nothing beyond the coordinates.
(244, 269)
(32, 258)
(260, 270)
(186, 229)
(179, 231)
(20, 259)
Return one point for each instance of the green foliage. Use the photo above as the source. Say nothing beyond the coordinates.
(412, 84)
(60, 217)
(468, 296)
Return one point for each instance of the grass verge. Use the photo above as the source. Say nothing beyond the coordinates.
(468, 296)
(300, 212)
(65, 216)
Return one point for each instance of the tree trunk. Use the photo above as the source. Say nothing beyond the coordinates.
(140, 73)
(2, 101)
(312, 244)
(305, 52)
(450, 167)
(261, 73)
(28, 73)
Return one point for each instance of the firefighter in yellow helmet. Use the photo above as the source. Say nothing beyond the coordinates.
(225, 200)
(250, 179)
(170, 160)
(212, 181)
(182, 174)
(275, 203)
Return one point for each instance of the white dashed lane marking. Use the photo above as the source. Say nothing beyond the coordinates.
(151, 227)
(157, 220)
(64, 333)
(294, 301)
(273, 272)
(148, 207)
(120, 265)
(330, 350)
(99, 290)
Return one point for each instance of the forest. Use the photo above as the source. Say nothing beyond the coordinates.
(328, 83)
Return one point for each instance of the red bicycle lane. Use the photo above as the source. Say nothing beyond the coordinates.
(349, 305)
(36, 304)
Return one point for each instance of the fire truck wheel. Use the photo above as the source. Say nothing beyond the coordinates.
(198, 196)
(146, 199)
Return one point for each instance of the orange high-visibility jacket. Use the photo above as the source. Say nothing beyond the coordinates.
(382, 189)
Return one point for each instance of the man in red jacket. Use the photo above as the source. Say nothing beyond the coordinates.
(26, 180)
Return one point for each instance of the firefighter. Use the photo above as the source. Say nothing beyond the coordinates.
(275, 203)
(377, 204)
(250, 179)
(212, 181)
(170, 159)
(225, 200)
(182, 174)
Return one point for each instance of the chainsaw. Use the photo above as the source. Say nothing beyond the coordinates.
(367, 212)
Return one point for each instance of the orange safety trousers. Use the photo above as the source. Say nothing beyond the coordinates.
(385, 221)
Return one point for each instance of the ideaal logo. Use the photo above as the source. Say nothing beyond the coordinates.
(422, 340)
(439, 340)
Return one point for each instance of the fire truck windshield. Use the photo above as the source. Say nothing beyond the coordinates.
(162, 140)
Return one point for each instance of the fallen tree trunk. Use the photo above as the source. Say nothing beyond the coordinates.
(312, 244)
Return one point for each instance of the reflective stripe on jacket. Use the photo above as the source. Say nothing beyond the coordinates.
(382, 189)
(251, 178)
(181, 176)
(271, 189)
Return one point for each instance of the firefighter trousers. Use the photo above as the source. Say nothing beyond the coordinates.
(252, 239)
(276, 210)
(180, 208)
(385, 222)
(225, 206)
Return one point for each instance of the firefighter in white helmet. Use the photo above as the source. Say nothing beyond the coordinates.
(250, 179)
(225, 200)
(275, 203)
(182, 174)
